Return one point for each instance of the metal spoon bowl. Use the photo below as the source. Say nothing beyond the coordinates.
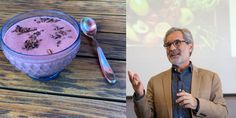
(89, 28)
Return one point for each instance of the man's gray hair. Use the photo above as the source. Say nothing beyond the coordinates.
(187, 35)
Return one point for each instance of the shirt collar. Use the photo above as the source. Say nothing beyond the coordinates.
(189, 68)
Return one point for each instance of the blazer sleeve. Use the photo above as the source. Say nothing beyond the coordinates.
(144, 107)
(216, 106)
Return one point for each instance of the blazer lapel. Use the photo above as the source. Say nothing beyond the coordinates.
(196, 80)
(167, 92)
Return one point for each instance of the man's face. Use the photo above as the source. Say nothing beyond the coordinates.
(178, 51)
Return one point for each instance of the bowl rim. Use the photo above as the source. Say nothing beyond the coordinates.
(51, 11)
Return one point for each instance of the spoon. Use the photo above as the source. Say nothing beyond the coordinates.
(89, 28)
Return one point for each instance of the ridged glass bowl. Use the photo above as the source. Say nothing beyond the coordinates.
(41, 67)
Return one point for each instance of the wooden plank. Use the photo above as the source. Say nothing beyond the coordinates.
(112, 13)
(88, 7)
(82, 77)
(108, 24)
(23, 105)
(113, 45)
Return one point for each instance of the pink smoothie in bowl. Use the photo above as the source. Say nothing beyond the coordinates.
(41, 43)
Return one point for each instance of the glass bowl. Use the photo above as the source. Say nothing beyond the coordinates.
(41, 67)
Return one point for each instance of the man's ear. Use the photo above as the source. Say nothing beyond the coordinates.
(191, 47)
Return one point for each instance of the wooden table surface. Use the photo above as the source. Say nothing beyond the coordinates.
(80, 90)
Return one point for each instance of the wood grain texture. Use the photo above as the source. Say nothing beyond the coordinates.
(102, 7)
(111, 27)
(15, 104)
(82, 77)
(107, 24)
(110, 16)
(113, 46)
(89, 95)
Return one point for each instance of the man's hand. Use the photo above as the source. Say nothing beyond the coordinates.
(136, 83)
(186, 100)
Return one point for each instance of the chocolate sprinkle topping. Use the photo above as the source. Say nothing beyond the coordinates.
(58, 28)
(55, 36)
(35, 35)
(21, 30)
(49, 51)
(46, 20)
(60, 34)
(31, 44)
(68, 30)
(58, 43)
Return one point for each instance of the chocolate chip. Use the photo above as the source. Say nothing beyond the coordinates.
(49, 51)
(62, 32)
(58, 28)
(68, 30)
(21, 30)
(46, 20)
(35, 35)
(57, 35)
(58, 42)
(31, 44)
(49, 20)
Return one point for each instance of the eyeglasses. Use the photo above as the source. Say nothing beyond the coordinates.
(176, 43)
